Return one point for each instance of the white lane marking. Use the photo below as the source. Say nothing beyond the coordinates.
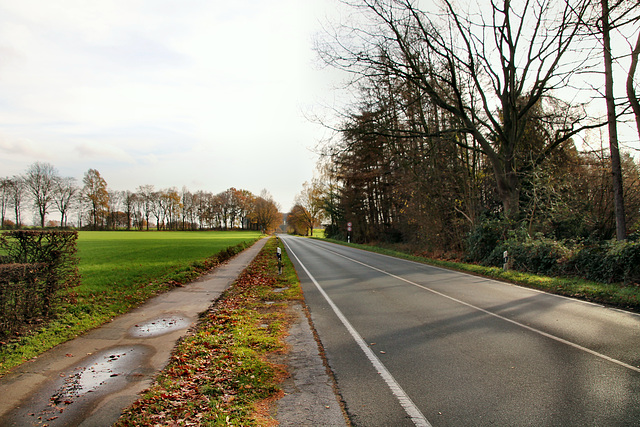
(522, 325)
(405, 401)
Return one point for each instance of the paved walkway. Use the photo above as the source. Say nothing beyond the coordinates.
(92, 378)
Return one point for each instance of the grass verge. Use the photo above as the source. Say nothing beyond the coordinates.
(613, 294)
(120, 270)
(220, 373)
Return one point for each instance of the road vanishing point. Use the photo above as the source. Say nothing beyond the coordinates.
(411, 344)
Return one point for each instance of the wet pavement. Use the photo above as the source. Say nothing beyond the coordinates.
(89, 381)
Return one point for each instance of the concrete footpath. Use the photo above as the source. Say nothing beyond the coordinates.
(89, 381)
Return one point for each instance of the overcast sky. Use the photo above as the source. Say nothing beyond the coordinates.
(206, 94)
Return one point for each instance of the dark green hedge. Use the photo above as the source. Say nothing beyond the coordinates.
(600, 261)
(606, 262)
(610, 261)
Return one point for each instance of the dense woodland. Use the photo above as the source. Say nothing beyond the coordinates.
(467, 131)
(94, 206)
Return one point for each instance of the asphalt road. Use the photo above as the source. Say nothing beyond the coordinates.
(411, 344)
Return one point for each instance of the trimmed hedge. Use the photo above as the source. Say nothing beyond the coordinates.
(34, 266)
(22, 290)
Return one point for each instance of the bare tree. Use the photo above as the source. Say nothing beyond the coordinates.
(40, 181)
(138, 211)
(4, 198)
(114, 215)
(171, 205)
(487, 67)
(632, 95)
(128, 201)
(188, 202)
(158, 208)
(65, 196)
(145, 192)
(607, 24)
(17, 190)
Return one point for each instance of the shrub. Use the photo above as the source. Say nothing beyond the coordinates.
(484, 239)
(334, 232)
(539, 256)
(57, 249)
(36, 264)
(22, 291)
(610, 261)
(606, 262)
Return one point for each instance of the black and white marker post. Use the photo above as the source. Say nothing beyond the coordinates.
(279, 256)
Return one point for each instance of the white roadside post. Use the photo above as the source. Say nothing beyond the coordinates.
(279, 256)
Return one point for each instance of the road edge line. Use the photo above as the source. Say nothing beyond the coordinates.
(403, 398)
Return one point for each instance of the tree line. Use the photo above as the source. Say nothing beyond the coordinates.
(468, 115)
(94, 206)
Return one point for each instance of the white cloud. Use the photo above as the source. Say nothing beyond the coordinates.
(11, 146)
(100, 152)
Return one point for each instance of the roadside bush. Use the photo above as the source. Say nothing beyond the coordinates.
(57, 249)
(538, 255)
(35, 265)
(606, 262)
(610, 261)
(487, 238)
(22, 288)
(334, 232)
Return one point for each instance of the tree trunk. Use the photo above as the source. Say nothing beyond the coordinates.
(616, 169)
(508, 192)
(631, 93)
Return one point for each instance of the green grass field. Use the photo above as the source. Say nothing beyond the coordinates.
(119, 258)
(119, 271)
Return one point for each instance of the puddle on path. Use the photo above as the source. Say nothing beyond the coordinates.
(87, 379)
(159, 326)
(67, 401)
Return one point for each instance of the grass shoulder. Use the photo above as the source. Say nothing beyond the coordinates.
(221, 373)
(617, 295)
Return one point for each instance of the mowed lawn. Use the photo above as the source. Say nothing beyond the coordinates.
(120, 270)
